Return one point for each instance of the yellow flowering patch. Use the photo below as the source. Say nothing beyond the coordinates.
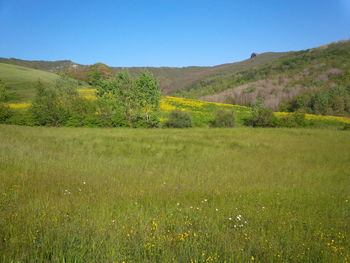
(197, 103)
(317, 117)
(165, 106)
(19, 105)
(185, 102)
(329, 118)
(89, 94)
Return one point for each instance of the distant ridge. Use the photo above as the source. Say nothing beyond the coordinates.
(171, 78)
(276, 77)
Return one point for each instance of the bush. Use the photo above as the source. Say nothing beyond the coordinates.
(20, 117)
(296, 119)
(346, 127)
(261, 117)
(47, 109)
(223, 118)
(178, 119)
(5, 112)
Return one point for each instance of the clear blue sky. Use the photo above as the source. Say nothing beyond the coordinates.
(166, 32)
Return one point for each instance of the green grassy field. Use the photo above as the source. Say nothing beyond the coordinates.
(22, 80)
(168, 195)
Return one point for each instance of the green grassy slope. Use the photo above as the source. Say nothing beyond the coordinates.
(51, 66)
(22, 80)
(168, 195)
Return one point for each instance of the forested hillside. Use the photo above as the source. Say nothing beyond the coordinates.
(315, 80)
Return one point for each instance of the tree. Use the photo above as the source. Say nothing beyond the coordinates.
(148, 92)
(98, 72)
(134, 100)
(46, 109)
(55, 106)
(4, 94)
(94, 77)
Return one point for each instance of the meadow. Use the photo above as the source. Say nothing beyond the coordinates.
(169, 195)
(22, 81)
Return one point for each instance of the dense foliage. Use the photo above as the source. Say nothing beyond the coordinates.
(319, 77)
(121, 101)
(135, 101)
(178, 119)
(262, 116)
(326, 101)
(223, 119)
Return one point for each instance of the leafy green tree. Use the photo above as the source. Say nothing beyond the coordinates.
(60, 105)
(46, 109)
(4, 94)
(149, 96)
(94, 77)
(133, 101)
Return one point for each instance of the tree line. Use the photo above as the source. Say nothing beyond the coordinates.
(122, 101)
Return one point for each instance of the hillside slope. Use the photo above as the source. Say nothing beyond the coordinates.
(281, 81)
(21, 81)
(50, 66)
(314, 80)
(171, 79)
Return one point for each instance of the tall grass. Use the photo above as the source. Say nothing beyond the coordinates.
(198, 195)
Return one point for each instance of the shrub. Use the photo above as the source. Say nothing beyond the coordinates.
(346, 127)
(178, 119)
(5, 112)
(299, 118)
(5, 94)
(46, 108)
(223, 118)
(20, 117)
(295, 119)
(261, 117)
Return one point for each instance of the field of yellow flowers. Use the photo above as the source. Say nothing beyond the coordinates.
(170, 195)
